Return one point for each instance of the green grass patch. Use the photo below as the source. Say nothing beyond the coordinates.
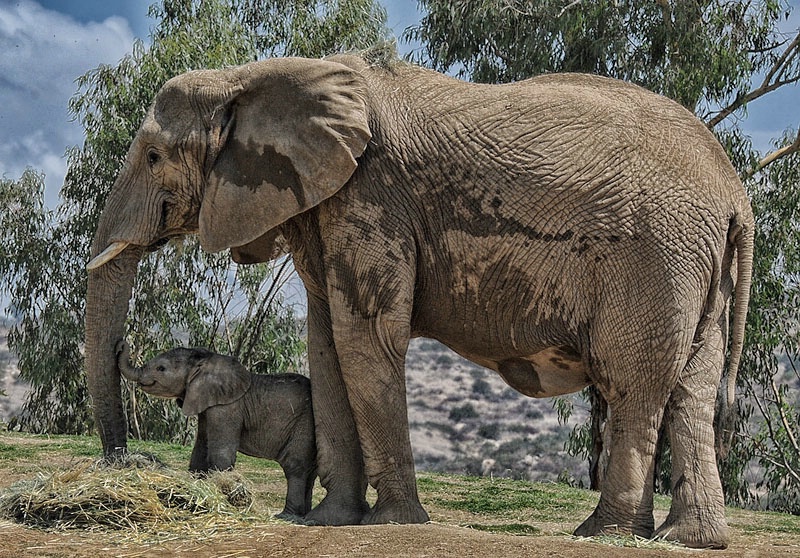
(767, 522)
(174, 455)
(497, 499)
(76, 446)
(487, 496)
(256, 463)
(13, 453)
(41, 445)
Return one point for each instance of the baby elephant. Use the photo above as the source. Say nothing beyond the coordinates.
(260, 415)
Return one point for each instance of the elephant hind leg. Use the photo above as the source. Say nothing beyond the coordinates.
(697, 515)
(635, 370)
(626, 498)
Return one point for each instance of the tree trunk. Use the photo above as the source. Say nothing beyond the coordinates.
(598, 455)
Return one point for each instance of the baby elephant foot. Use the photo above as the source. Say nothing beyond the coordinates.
(397, 512)
(292, 517)
(703, 533)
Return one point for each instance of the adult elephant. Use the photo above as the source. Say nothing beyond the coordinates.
(563, 231)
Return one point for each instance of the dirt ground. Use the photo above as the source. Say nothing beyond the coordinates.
(390, 541)
(453, 532)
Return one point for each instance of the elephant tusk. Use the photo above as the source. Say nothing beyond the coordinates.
(107, 255)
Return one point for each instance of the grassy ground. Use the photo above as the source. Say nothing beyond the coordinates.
(470, 516)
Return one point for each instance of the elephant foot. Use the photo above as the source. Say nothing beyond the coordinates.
(292, 518)
(135, 460)
(600, 523)
(396, 512)
(331, 512)
(114, 455)
(699, 532)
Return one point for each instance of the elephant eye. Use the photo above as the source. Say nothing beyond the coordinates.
(160, 368)
(153, 157)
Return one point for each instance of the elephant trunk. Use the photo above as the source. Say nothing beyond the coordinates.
(108, 293)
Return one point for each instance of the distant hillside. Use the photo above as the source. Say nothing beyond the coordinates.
(466, 419)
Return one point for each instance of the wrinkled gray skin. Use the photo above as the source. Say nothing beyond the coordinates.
(563, 231)
(260, 415)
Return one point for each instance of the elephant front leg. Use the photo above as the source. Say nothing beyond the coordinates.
(697, 514)
(223, 428)
(372, 353)
(370, 277)
(339, 459)
(199, 461)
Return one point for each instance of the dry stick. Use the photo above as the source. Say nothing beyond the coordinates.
(775, 155)
(782, 413)
(135, 412)
(784, 463)
(567, 7)
(264, 305)
(222, 305)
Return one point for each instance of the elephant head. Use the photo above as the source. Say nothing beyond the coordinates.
(229, 154)
(197, 378)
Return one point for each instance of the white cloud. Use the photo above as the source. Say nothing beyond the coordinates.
(43, 53)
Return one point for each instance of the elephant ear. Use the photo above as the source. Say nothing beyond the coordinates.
(217, 380)
(294, 131)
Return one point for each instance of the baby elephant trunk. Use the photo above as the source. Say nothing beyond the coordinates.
(130, 373)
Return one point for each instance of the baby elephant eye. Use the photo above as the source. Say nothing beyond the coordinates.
(160, 368)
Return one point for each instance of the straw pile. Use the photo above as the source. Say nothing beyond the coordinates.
(121, 496)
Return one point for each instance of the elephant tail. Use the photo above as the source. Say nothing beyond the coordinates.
(740, 235)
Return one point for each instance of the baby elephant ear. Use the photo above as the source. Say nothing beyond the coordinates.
(217, 380)
(295, 131)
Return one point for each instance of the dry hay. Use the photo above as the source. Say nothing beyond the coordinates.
(137, 492)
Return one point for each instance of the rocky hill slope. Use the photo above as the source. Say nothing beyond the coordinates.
(464, 419)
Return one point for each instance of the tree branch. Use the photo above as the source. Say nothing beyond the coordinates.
(786, 467)
(784, 420)
(780, 64)
(770, 158)
(760, 91)
(567, 7)
(766, 86)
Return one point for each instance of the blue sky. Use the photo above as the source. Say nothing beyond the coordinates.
(46, 44)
